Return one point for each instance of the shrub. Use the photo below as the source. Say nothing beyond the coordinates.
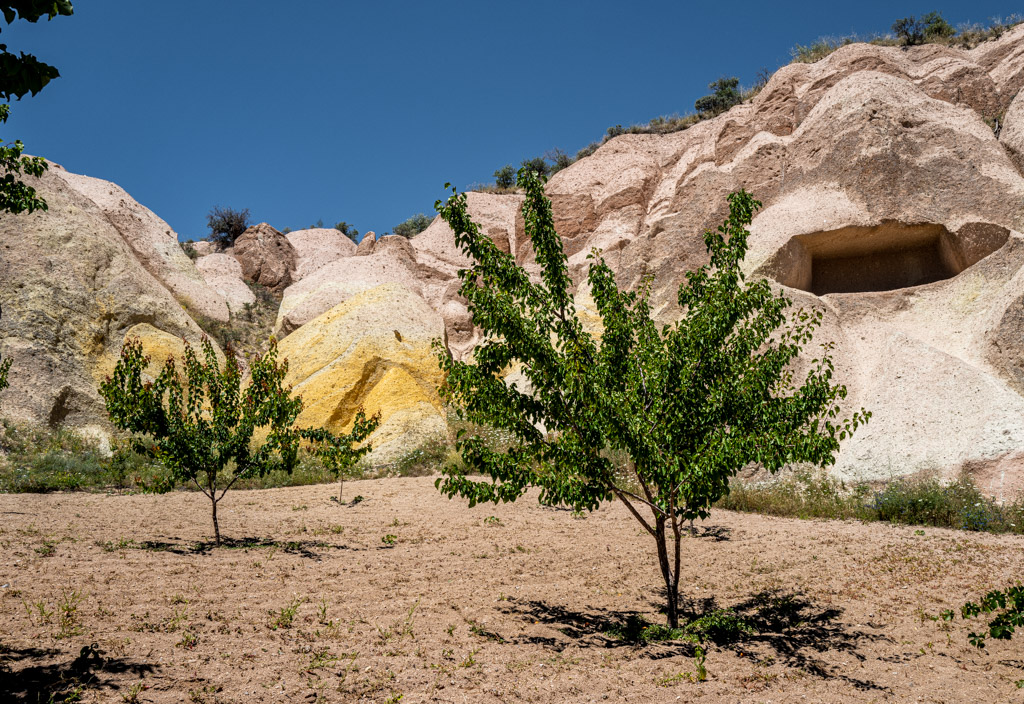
(936, 27)
(348, 230)
(726, 94)
(413, 226)
(909, 30)
(39, 459)
(424, 460)
(189, 248)
(686, 405)
(227, 225)
(199, 424)
(505, 177)
(537, 164)
(805, 493)
(559, 160)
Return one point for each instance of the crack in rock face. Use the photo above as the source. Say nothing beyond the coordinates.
(884, 257)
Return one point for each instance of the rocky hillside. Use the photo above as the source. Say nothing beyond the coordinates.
(893, 200)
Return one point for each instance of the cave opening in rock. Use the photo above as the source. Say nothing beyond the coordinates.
(884, 257)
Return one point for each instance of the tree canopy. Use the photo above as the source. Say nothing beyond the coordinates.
(201, 426)
(686, 405)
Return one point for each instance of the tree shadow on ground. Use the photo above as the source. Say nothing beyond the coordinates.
(594, 628)
(59, 681)
(716, 533)
(783, 625)
(794, 631)
(302, 548)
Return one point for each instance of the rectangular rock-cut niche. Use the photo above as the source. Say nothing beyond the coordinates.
(884, 257)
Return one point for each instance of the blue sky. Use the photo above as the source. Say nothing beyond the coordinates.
(361, 111)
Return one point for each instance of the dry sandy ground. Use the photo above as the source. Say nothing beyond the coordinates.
(468, 608)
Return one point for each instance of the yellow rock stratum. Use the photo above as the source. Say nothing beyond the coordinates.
(373, 350)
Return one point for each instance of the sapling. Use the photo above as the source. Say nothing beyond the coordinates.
(337, 452)
(204, 423)
(687, 405)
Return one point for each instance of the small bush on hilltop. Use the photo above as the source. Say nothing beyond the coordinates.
(537, 164)
(412, 227)
(227, 225)
(505, 177)
(348, 230)
(726, 94)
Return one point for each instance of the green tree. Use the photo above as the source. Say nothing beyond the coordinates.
(505, 177)
(413, 226)
(336, 451)
(726, 94)
(21, 74)
(910, 30)
(538, 164)
(688, 404)
(936, 27)
(202, 424)
(227, 225)
(348, 230)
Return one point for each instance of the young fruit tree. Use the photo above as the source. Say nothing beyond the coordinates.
(337, 452)
(201, 426)
(689, 404)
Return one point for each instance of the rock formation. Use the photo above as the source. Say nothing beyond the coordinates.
(266, 256)
(72, 287)
(893, 201)
(372, 351)
(318, 247)
(223, 274)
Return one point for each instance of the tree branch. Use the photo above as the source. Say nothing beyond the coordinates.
(636, 514)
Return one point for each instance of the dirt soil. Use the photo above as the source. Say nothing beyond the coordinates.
(122, 598)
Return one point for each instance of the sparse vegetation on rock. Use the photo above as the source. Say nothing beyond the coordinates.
(687, 404)
(412, 227)
(505, 177)
(725, 93)
(227, 225)
(348, 230)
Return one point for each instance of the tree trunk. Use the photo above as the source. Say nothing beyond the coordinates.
(341, 483)
(216, 526)
(671, 581)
